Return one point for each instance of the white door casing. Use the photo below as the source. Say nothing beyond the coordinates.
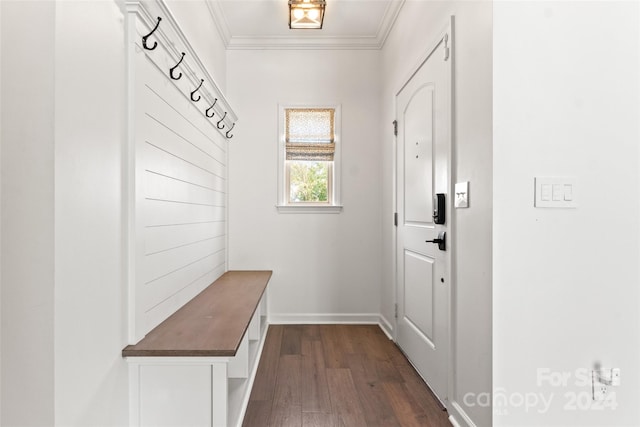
(423, 114)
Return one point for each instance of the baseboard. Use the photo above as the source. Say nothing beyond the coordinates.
(324, 318)
(458, 415)
(386, 327)
(331, 318)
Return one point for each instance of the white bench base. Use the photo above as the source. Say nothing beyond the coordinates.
(196, 391)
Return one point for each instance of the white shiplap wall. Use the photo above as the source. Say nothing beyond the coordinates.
(178, 236)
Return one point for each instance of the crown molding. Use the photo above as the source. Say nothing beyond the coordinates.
(217, 14)
(293, 42)
(388, 21)
(298, 42)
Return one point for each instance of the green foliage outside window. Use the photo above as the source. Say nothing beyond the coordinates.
(309, 181)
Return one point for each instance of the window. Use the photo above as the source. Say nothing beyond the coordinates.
(309, 159)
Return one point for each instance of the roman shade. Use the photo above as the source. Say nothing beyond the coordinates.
(309, 134)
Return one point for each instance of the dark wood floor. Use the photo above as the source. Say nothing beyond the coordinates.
(337, 375)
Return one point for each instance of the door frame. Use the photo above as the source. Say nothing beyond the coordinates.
(448, 32)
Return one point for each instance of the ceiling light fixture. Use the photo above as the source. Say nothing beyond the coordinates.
(306, 14)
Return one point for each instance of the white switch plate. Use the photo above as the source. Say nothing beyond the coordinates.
(462, 194)
(555, 192)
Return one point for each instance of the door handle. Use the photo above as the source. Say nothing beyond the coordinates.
(441, 241)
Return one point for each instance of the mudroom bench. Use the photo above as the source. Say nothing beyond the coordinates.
(196, 367)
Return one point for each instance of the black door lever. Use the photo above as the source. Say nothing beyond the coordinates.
(441, 241)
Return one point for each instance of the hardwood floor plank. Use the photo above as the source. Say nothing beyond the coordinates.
(363, 368)
(396, 356)
(311, 332)
(316, 419)
(257, 413)
(287, 388)
(345, 340)
(387, 371)
(407, 413)
(284, 416)
(418, 390)
(287, 409)
(375, 403)
(333, 352)
(344, 398)
(367, 339)
(314, 388)
(378, 345)
(338, 376)
(413, 411)
(291, 338)
(265, 381)
(377, 410)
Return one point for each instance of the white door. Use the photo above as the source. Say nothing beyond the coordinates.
(423, 115)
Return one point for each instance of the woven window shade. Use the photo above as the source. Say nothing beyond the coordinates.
(310, 134)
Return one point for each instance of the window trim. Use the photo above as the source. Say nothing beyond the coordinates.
(334, 205)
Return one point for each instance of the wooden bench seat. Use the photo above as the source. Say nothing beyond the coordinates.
(212, 324)
(196, 368)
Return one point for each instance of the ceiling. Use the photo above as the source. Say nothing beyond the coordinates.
(263, 24)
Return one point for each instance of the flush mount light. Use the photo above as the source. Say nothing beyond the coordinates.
(306, 14)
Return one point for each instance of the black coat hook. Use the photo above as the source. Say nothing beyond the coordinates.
(227, 134)
(206, 112)
(194, 99)
(144, 38)
(220, 121)
(174, 68)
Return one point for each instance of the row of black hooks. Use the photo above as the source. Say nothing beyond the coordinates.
(195, 97)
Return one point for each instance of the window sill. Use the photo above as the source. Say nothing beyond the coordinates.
(312, 209)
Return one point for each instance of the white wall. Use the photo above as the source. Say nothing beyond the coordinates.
(27, 241)
(417, 27)
(566, 103)
(322, 263)
(63, 302)
(90, 305)
(0, 215)
(196, 22)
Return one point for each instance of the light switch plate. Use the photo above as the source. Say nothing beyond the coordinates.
(555, 192)
(462, 194)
